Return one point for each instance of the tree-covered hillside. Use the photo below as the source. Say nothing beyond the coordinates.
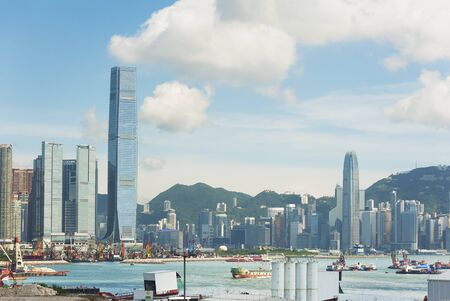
(429, 185)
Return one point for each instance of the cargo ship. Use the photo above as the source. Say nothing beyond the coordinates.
(239, 273)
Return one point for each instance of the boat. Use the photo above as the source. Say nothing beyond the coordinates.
(338, 266)
(42, 271)
(418, 269)
(240, 259)
(240, 272)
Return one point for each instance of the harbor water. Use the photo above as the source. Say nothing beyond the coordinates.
(214, 278)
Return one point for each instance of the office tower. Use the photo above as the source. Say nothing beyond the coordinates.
(278, 231)
(369, 225)
(409, 226)
(171, 219)
(304, 199)
(221, 229)
(384, 226)
(86, 189)
(69, 196)
(205, 227)
(5, 191)
(398, 209)
(122, 155)
(221, 207)
(350, 203)
(167, 205)
(46, 215)
(335, 215)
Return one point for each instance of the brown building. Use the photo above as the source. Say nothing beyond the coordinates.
(22, 180)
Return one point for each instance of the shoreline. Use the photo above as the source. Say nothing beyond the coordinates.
(39, 262)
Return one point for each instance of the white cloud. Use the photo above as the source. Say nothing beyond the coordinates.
(417, 29)
(191, 37)
(285, 95)
(92, 128)
(176, 107)
(430, 105)
(153, 164)
(394, 63)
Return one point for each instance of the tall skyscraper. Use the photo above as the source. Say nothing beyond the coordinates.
(5, 191)
(350, 202)
(122, 155)
(69, 196)
(86, 189)
(335, 215)
(21, 190)
(46, 204)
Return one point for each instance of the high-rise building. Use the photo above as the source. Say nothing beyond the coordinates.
(86, 181)
(221, 207)
(46, 205)
(335, 215)
(6, 228)
(171, 219)
(205, 227)
(69, 197)
(384, 225)
(167, 205)
(369, 225)
(122, 155)
(21, 190)
(409, 226)
(350, 202)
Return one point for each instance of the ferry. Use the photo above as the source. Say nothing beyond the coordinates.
(418, 269)
(239, 273)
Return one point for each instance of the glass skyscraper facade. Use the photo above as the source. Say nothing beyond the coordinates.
(122, 155)
(350, 202)
(5, 192)
(69, 196)
(86, 183)
(47, 192)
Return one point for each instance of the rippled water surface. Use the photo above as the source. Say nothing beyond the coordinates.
(214, 278)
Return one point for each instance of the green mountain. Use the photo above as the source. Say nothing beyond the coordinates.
(188, 201)
(429, 185)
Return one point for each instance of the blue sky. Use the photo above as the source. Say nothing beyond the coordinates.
(246, 95)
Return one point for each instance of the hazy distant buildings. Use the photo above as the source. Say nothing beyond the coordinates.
(167, 205)
(171, 219)
(350, 202)
(384, 226)
(369, 225)
(122, 155)
(221, 207)
(6, 227)
(335, 215)
(205, 227)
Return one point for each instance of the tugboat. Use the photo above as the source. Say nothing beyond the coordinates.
(239, 273)
(338, 266)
